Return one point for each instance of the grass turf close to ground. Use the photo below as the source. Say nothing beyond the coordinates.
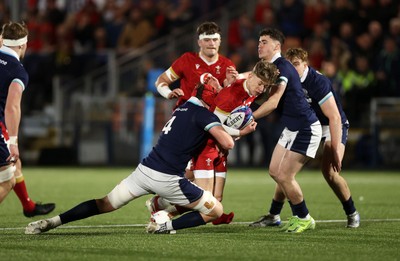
(121, 236)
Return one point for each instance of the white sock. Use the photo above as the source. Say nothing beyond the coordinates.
(56, 221)
(169, 225)
(308, 217)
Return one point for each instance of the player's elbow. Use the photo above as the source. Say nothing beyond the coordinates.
(227, 144)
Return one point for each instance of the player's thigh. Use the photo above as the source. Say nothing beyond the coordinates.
(285, 163)
(205, 183)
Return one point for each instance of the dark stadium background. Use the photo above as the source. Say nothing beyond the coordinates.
(85, 101)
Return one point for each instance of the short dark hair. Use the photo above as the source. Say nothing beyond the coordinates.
(208, 28)
(14, 30)
(274, 34)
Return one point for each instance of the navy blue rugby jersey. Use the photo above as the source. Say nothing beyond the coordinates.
(295, 111)
(11, 69)
(182, 137)
(318, 89)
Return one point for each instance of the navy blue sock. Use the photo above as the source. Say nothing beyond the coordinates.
(191, 219)
(276, 207)
(81, 211)
(348, 206)
(300, 209)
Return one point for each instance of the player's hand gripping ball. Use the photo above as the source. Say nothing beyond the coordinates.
(240, 117)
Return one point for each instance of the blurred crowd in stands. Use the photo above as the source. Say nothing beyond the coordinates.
(356, 43)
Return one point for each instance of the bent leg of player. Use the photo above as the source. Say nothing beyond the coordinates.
(180, 191)
(220, 166)
(295, 149)
(207, 209)
(339, 185)
(121, 195)
(7, 181)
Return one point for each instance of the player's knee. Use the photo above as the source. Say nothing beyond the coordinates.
(119, 196)
(218, 197)
(209, 205)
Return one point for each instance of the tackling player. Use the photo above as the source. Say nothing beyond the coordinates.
(162, 171)
(13, 80)
(301, 136)
(335, 126)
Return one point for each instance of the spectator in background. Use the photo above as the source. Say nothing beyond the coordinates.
(136, 32)
(317, 54)
(289, 16)
(262, 7)
(114, 21)
(240, 30)
(347, 36)
(394, 30)
(314, 13)
(365, 13)
(387, 10)
(329, 69)
(180, 14)
(388, 72)
(341, 10)
(358, 84)
(376, 32)
(364, 47)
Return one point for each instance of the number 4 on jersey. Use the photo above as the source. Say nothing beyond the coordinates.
(167, 127)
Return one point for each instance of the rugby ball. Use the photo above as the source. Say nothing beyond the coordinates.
(240, 117)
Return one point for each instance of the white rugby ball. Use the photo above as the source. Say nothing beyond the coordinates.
(240, 117)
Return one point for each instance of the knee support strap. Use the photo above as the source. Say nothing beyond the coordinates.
(207, 203)
(7, 174)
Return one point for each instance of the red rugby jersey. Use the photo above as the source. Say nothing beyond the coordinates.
(233, 96)
(189, 67)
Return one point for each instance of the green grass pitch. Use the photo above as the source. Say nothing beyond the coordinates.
(121, 235)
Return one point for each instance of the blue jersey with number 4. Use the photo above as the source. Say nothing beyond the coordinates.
(182, 137)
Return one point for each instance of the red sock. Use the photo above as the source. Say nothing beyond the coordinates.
(22, 193)
(224, 219)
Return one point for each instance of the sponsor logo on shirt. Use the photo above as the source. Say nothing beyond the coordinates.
(3, 62)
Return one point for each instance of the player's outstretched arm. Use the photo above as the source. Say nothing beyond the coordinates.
(272, 103)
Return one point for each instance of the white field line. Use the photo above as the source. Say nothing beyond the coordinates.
(233, 223)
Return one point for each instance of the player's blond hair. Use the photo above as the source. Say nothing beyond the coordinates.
(266, 71)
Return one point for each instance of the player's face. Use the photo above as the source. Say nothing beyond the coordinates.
(209, 47)
(255, 85)
(267, 47)
(299, 65)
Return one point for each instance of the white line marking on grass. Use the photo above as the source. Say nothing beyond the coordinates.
(233, 223)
